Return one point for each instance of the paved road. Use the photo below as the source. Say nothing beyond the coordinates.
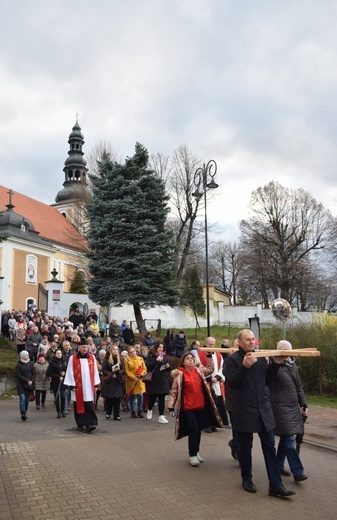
(135, 470)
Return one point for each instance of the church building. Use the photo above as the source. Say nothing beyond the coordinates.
(40, 239)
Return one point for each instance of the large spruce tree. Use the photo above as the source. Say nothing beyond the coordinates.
(132, 254)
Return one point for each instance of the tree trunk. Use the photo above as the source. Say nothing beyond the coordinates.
(139, 318)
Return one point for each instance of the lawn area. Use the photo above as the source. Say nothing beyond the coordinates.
(8, 357)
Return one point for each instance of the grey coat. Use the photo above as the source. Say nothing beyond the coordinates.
(287, 396)
(41, 378)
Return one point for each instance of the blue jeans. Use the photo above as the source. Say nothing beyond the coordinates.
(136, 398)
(24, 402)
(268, 448)
(287, 448)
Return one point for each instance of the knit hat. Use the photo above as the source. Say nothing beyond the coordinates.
(284, 345)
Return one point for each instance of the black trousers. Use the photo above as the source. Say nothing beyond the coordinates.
(195, 421)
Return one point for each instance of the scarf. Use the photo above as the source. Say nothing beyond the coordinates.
(78, 378)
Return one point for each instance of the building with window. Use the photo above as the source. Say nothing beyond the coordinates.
(40, 238)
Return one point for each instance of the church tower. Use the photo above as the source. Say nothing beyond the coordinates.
(73, 197)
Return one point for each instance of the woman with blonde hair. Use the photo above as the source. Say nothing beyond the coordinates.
(112, 384)
(135, 369)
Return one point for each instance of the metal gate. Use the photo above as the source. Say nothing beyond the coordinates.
(42, 298)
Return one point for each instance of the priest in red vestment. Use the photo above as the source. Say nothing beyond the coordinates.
(82, 376)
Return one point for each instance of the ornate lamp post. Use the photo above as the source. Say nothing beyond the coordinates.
(201, 177)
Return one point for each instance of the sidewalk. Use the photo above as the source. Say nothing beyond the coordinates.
(133, 469)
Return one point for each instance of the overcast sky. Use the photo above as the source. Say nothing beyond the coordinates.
(251, 84)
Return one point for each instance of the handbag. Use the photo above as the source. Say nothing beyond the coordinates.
(32, 397)
(148, 376)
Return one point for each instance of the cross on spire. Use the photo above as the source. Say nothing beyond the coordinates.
(10, 193)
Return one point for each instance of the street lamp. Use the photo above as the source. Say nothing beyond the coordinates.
(201, 176)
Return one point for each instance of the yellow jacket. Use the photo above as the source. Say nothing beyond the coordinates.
(133, 364)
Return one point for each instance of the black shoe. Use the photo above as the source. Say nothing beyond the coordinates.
(140, 415)
(107, 416)
(91, 429)
(299, 478)
(133, 415)
(64, 414)
(233, 449)
(214, 429)
(118, 418)
(42, 405)
(23, 417)
(285, 472)
(38, 408)
(207, 430)
(280, 491)
(59, 415)
(248, 485)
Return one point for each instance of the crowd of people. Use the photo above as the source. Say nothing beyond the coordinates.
(81, 361)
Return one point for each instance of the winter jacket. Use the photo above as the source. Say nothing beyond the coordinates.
(24, 372)
(133, 365)
(56, 366)
(212, 417)
(179, 345)
(287, 397)
(41, 378)
(252, 410)
(159, 383)
(112, 387)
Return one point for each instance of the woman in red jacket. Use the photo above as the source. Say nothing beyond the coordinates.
(192, 403)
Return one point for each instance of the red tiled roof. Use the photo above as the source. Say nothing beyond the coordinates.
(49, 222)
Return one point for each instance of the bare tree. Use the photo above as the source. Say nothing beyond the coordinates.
(178, 173)
(99, 150)
(286, 228)
(226, 266)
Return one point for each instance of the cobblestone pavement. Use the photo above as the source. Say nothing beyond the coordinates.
(134, 469)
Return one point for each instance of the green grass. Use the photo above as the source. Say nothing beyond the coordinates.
(328, 401)
(8, 357)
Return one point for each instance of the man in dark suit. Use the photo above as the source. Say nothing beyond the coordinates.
(248, 377)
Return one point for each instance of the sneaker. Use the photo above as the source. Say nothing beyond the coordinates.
(162, 419)
(200, 459)
(194, 461)
(107, 416)
(149, 414)
(118, 418)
